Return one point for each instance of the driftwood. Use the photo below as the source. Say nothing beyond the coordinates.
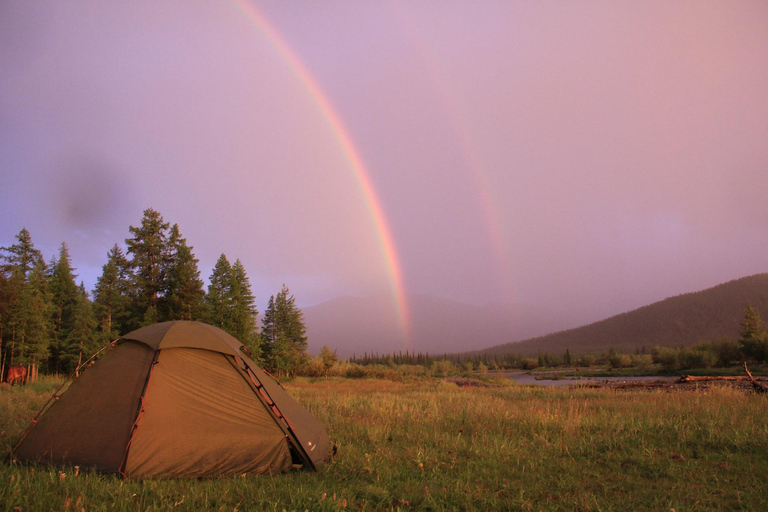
(693, 378)
(758, 386)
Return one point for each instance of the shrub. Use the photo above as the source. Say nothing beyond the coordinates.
(618, 360)
(726, 351)
(642, 360)
(355, 371)
(695, 358)
(755, 347)
(667, 357)
(442, 367)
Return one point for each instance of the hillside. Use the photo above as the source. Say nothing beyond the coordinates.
(354, 325)
(675, 322)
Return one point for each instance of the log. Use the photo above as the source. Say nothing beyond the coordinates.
(692, 378)
(759, 387)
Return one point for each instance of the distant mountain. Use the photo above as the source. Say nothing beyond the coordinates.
(674, 322)
(356, 325)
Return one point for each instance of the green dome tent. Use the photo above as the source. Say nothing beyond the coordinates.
(175, 399)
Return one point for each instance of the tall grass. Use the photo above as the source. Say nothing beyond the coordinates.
(428, 444)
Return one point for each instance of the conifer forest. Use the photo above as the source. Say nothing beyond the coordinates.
(51, 324)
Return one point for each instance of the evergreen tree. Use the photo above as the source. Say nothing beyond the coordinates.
(83, 337)
(30, 321)
(111, 297)
(184, 288)
(754, 339)
(64, 295)
(567, 358)
(22, 256)
(284, 334)
(231, 304)
(219, 297)
(148, 248)
(243, 323)
(26, 322)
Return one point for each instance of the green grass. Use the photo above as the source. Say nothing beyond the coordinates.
(427, 444)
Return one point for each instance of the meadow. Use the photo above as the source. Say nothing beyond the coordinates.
(427, 444)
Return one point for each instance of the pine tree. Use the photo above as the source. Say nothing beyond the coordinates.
(754, 339)
(243, 315)
(26, 322)
(219, 297)
(148, 248)
(31, 324)
(567, 358)
(184, 288)
(64, 295)
(111, 297)
(22, 256)
(82, 339)
(284, 334)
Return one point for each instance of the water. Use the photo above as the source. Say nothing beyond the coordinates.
(531, 379)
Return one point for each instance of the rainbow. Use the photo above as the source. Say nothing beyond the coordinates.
(356, 164)
(466, 146)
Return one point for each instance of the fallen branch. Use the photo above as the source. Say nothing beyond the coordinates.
(759, 387)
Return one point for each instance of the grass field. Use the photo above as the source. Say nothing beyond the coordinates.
(427, 444)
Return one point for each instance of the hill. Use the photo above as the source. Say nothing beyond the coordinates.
(674, 322)
(354, 325)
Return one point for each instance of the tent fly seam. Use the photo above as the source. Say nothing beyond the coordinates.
(56, 394)
(139, 415)
(269, 404)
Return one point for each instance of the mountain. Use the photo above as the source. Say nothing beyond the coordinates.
(355, 325)
(674, 322)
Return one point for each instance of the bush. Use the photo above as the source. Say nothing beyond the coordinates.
(666, 357)
(529, 363)
(617, 360)
(755, 347)
(642, 360)
(312, 368)
(696, 358)
(726, 351)
(355, 371)
(443, 367)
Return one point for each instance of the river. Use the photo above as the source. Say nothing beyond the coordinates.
(540, 379)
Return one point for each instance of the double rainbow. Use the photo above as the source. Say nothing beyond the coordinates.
(362, 176)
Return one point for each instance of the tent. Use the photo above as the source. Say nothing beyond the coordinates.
(175, 399)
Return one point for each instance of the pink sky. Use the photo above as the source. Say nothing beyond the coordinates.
(588, 157)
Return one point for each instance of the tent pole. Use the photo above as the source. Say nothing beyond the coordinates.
(263, 395)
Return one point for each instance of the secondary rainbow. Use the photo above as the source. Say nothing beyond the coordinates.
(356, 164)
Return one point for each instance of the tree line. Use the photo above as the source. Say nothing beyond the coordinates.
(752, 346)
(49, 323)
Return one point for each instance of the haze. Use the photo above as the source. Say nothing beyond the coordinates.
(580, 158)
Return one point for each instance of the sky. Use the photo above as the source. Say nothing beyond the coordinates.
(587, 157)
